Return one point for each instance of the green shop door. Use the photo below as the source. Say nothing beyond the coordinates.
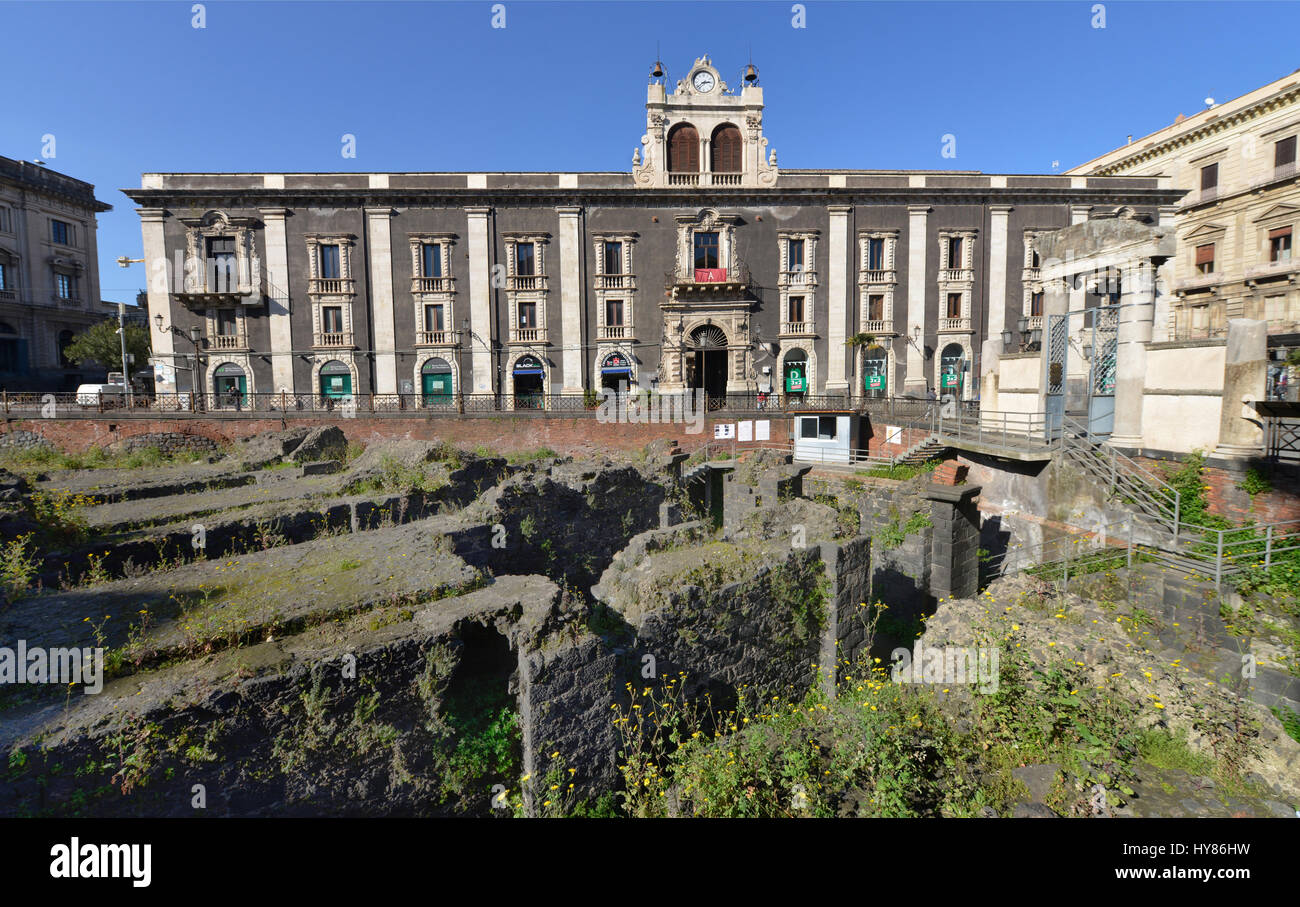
(794, 379)
(336, 385)
(437, 388)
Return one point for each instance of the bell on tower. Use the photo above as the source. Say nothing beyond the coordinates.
(751, 75)
(657, 72)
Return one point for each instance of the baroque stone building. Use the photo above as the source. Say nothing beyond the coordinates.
(1238, 220)
(705, 266)
(49, 275)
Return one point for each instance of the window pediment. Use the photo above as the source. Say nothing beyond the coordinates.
(1279, 212)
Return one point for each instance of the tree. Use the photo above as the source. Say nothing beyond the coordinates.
(99, 343)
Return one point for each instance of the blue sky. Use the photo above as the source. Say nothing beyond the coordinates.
(130, 87)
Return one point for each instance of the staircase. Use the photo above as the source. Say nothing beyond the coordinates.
(1151, 500)
(924, 450)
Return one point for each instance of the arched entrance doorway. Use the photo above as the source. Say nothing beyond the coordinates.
(335, 380)
(706, 365)
(528, 387)
(875, 377)
(230, 385)
(952, 371)
(795, 379)
(615, 370)
(435, 382)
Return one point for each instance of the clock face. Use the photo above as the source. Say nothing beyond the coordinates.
(703, 80)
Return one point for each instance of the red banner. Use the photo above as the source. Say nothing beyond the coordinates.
(710, 275)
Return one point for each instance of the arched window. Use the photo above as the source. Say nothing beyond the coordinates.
(683, 149)
(726, 147)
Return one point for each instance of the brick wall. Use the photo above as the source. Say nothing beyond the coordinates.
(1279, 504)
(877, 446)
(499, 433)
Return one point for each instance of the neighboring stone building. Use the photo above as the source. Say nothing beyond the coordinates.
(704, 267)
(49, 275)
(1238, 221)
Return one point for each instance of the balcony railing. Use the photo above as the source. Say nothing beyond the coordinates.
(614, 281)
(879, 275)
(431, 285)
(1035, 322)
(227, 342)
(957, 275)
(8, 295)
(683, 179)
(333, 339)
(331, 286)
(615, 332)
(74, 299)
(1032, 274)
(435, 338)
(724, 179)
(796, 327)
(527, 282)
(878, 326)
(528, 335)
(954, 324)
(802, 278)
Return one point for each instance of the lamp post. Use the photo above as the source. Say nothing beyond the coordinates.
(194, 335)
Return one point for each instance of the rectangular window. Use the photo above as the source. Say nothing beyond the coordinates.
(613, 258)
(528, 314)
(226, 322)
(1275, 308)
(876, 307)
(954, 305)
(795, 254)
(706, 251)
(332, 319)
(954, 252)
(1284, 152)
(613, 313)
(221, 275)
(431, 264)
(524, 261)
(1279, 244)
(4, 276)
(1035, 304)
(796, 310)
(433, 318)
(329, 262)
(825, 428)
(808, 427)
(1034, 261)
(876, 254)
(1205, 259)
(1210, 178)
(66, 286)
(61, 232)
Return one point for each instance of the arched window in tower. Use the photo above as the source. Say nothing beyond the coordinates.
(726, 147)
(683, 149)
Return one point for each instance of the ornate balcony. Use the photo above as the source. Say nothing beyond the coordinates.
(614, 332)
(796, 328)
(798, 279)
(615, 281)
(879, 275)
(878, 326)
(331, 286)
(528, 335)
(436, 338)
(228, 342)
(683, 179)
(527, 282)
(333, 340)
(954, 325)
(431, 285)
(957, 275)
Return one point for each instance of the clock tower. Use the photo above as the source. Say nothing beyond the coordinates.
(705, 133)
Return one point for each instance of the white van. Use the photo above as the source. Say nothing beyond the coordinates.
(111, 394)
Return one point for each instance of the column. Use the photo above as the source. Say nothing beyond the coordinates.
(571, 298)
(837, 300)
(917, 242)
(1245, 376)
(1136, 313)
(480, 304)
(990, 371)
(160, 276)
(279, 321)
(380, 255)
(997, 308)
